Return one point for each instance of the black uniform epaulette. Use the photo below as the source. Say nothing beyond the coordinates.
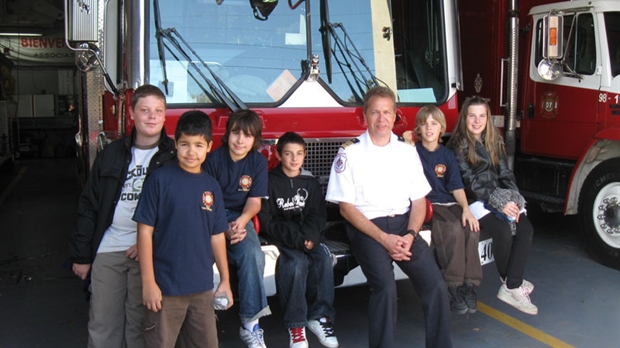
(350, 142)
(407, 141)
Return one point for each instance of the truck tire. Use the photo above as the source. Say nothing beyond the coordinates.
(599, 213)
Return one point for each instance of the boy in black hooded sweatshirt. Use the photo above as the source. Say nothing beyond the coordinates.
(293, 218)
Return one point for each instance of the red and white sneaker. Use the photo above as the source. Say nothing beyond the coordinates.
(298, 337)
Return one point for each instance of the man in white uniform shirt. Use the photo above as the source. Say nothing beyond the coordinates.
(378, 181)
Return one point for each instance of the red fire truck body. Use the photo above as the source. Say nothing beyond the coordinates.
(304, 66)
(567, 148)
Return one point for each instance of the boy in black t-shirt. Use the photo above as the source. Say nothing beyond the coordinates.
(293, 218)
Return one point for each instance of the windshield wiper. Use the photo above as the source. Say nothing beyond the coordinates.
(358, 81)
(225, 94)
(160, 44)
(326, 39)
(209, 95)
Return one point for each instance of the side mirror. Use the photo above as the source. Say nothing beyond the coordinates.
(81, 20)
(549, 69)
(87, 57)
(552, 47)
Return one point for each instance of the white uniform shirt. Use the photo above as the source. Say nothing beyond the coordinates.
(378, 180)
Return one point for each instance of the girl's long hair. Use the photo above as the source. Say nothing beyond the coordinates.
(491, 139)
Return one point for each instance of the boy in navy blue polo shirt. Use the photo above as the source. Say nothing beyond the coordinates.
(455, 231)
(242, 173)
(180, 219)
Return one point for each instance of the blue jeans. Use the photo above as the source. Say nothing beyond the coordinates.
(305, 275)
(249, 260)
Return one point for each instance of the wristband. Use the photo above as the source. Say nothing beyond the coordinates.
(413, 233)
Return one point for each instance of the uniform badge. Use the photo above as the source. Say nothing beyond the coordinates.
(245, 182)
(340, 163)
(207, 200)
(440, 170)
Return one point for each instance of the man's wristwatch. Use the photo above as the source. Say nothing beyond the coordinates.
(413, 233)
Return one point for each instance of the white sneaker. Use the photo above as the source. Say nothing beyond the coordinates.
(298, 337)
(324, 331)
(518, 298)
(529, 287)
(254, 338)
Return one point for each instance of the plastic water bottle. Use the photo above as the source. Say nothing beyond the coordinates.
(220, 302)
(513, 225)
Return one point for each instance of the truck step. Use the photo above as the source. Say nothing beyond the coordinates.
(542, 198)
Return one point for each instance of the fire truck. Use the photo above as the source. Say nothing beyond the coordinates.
(304, 66)
(551, 74)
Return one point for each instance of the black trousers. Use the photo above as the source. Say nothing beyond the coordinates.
(423, 273)
(510, 252)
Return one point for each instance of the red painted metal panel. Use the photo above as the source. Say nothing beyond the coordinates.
(345, 122)
(484, 43)
(565, 120)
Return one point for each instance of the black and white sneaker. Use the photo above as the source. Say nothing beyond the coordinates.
(324, 331)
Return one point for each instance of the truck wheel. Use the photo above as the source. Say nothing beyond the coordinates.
(599, 213)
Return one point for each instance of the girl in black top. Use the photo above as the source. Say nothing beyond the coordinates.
(494, 198)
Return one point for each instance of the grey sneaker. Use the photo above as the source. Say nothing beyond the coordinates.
(518, 298)
(529, 287)
(457, 305)
(468, 293)
(254, 338)
(324, 331)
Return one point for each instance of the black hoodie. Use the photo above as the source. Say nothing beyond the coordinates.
(295, 210)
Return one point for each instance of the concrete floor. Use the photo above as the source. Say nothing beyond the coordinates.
(42, 304)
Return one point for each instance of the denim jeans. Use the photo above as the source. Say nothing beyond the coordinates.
(305, 275)
(249, 260)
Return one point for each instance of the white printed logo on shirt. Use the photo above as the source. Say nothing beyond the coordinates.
(298, 201)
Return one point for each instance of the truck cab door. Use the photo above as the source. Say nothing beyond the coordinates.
(562, 115)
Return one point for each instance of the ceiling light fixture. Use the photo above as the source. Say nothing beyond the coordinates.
(20, 33)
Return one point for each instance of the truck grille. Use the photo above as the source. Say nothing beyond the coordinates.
(320, 155)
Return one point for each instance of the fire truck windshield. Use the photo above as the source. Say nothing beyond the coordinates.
(262, 57)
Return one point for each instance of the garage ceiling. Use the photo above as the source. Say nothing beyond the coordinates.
(44, 16)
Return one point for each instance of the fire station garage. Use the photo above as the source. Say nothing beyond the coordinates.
(43, 304)
(37, 109)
